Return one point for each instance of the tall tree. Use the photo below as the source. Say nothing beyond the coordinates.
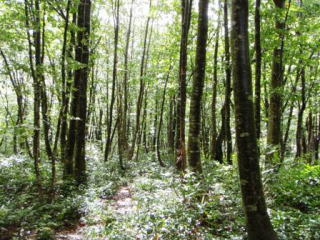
(158, 137)
(186, 7)
(227, 101)
(258, 223)
(69, 151)
(114, 80)
(142, 85)
(275, 102)
(35, 67)
(66, 82)
(79, 94)
(214, 92)
(39, 60)
(197, 89)
(123, 122)
(257, 46)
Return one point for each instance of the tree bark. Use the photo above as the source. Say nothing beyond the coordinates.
(29, 8)
(161, 118)
(302, 107)
(186, 7)
(69, 149)
(114, 80)
(79, 100)
(194, 158)
(257, 45)
(214, 93)
(226, 117)
(258, 223)
(141, 88)
(275, 104)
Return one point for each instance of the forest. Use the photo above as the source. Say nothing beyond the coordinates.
(159, 119)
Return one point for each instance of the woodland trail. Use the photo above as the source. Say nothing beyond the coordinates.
(120, 203)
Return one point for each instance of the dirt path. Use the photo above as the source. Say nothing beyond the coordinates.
(121, 203)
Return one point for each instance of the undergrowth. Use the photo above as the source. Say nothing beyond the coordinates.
(165, 204)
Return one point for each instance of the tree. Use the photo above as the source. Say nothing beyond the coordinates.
(69, 151)
(35, 67)
(276, 86)
(214, 94)
(142, 85)
(114, 81)
(257, 46)
(258, 223)
(197, 89)
(226, 117)
(186, 7)
(79, 94)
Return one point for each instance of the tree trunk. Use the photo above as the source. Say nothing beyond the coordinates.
(226, 117)
(161, 118)
(171, 125)
(186, 7)
(114, 80)
(214, 93)
(257, 45)
(275, 103)
(124, 131)
(141, 89)
(197, 89)
(36, 83)
(80, 86)
(258, 223)
(302, 107)
(69, 151)
(286, 135)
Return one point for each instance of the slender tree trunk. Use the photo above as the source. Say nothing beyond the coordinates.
(114, 80)
(286, 135)
(186, 7)
(317, 140)
(39, 40)
(258, 223)
(155, 122)
(275, 104)
(69, 150)
(214, 93)
(141, 89)
(227, 116)
(161, 118)
(204, 136)
(124, 131)
(62, 118)
(197, 89)
(29, 8)
(171, 125)
(302, 107)
(257, 45)
(18, 87)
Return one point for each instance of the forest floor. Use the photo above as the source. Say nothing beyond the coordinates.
(116, 216)
(121, 204)
(148, 202)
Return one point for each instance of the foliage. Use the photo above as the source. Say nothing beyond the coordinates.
(24, 210)
(296, 192)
